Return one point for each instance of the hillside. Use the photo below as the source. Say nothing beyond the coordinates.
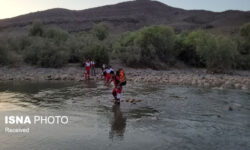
(130, 15)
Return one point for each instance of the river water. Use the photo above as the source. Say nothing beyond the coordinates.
(162, 117)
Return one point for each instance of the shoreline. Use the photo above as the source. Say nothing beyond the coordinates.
(192, 77)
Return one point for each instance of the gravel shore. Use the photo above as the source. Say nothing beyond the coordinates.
(194, 77)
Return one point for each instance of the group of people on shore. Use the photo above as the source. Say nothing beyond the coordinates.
(109, 75)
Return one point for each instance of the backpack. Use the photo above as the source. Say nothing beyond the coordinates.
(122, 76)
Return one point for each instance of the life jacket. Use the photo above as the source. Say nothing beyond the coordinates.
(121, 74)
(116, 80)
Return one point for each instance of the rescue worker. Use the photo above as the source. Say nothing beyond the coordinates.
(87, 69)
(117, 91)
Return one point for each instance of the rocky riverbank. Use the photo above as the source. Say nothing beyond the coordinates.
(194, 77)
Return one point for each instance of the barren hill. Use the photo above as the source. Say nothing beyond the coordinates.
(131, 15)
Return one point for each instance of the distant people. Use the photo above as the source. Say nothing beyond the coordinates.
(103, 71)
(103, 67)
(107, 75)
(92, 64)
(108, 70)
(87, 69)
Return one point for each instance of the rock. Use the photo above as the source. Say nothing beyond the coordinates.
(206, 85)
(237, 85)
(57, 78)
(154, 118)
(194, 82)
(27, 78)
(64, 77)
(81, 79)
(132, 100)
(244, 87)
(228, 84)
(220, 88)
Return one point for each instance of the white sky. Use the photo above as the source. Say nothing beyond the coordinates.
(11, 8)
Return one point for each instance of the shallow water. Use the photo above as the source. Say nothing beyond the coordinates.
(164, 117)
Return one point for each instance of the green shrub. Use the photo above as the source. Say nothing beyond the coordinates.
(46, 53)
(101, 31)
(57, 35)
(146, 47)
(3, 54)
(156, 42)
(218, 53)
(243, 44)
(36, 29)
(245, 31)
(131, 56)
(8, 52)
(243, 62)
(75, 48)
(186, 51)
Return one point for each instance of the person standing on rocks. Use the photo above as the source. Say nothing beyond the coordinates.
(92, 63)
(87, 69)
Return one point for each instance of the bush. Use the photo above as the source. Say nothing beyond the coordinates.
(218, 53)
(243, 58)
(36, 29)
(75, 48)
(8, 52)
(243, 62)
(131, 56)
(101, 31)
(46, 53)
(147, 47)
(186, 51)
(156, 42)
(245, 31)
(3, 54)
(57, 35)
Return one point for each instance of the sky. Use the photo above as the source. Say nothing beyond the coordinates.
(12, 8)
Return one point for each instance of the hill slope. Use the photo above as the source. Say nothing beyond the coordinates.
(131, 15)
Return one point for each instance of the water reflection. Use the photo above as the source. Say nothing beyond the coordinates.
(118, 123)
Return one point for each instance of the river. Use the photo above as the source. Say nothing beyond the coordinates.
(160, 117)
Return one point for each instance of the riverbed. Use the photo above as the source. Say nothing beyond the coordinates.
(150, 116)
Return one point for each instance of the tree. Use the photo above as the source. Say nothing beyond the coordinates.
(186, 51)
(243, 59)
(156, 41)
(218, 53)
(245, 31)
(101, 31)
(36, 29)
(245, 44)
